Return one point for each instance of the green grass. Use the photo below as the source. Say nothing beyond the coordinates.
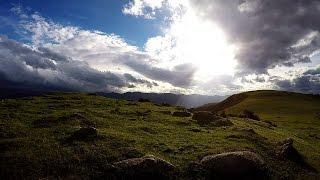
(34, 133)
(295, 114)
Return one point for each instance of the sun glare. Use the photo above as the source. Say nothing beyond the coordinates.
(202, 43)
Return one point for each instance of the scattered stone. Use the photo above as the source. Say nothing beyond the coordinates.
(270, 123)
(132, 119)
(195, 170)
(195, 130)
(85, 133)
(246, 133)
(287, 151)
(181, 114)
(314, 136)
(205, 117)
(168, 150)
(148, 167)
(222, 122)
(234, 165)
(251, 115)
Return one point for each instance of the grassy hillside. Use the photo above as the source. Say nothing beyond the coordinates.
(35, 133)
(298, 115)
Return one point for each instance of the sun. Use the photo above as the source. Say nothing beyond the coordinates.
(202, 43)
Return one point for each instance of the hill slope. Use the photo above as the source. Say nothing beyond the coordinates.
(35, 137)
(297, 114)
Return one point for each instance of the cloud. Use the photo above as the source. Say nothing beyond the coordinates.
(180, 76)
(307, 82)
(68, 57)
(143, 8)
(132, 79)
(39, 67)
(266, 33)
(203, 41)
(221, 85)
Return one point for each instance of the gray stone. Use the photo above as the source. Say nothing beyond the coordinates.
(148, 167)
(234, 165)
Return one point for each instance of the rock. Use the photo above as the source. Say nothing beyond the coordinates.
(181, 114)
(270, 123)
(287, 151)
(222, 122)
(194, 170)
(84, 133)
(165, 112)
(195, 129)
(250, 114)
(148, 167)
(204, 117)
(234, 165)
(315, 136)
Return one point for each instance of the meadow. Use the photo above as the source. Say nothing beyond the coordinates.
(35, 134)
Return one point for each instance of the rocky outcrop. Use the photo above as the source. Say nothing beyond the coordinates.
(148, 167)
(234, 165)
(205, 117)
(84, 133)
(287, 151)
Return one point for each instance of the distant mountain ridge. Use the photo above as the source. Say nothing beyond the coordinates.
(188, 101)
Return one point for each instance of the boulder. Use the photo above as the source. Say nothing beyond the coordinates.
(165, 112)
(287, 151)
(181, 114)
(250, 114)
(222, 122)
(84, 133)
(204, 117)
(234, 165)
(148, 167)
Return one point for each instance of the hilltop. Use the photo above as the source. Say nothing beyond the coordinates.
(38, 135)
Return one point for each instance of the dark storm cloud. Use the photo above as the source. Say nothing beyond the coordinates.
(132, 79)
(180, 75)
(314, 72)
(267, 32)
(308, 82)
(21, 65)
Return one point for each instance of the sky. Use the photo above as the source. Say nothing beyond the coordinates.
(212, 47)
